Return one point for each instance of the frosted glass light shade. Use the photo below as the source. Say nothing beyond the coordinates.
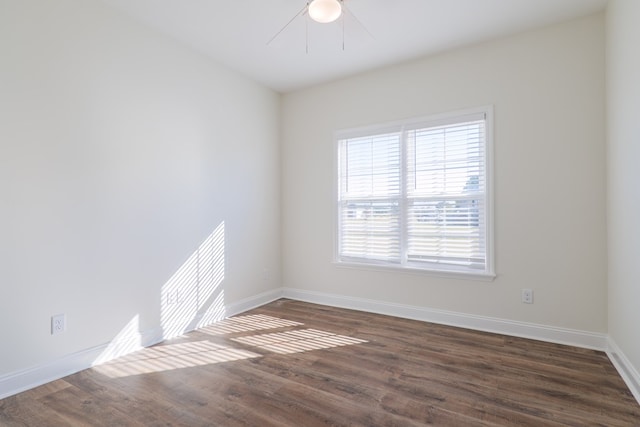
(325, 11)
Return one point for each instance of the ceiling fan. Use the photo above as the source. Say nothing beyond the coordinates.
(323, 12)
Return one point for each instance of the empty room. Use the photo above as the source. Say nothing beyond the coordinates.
(319, 212)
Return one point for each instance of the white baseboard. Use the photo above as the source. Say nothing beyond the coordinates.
(19, 381)
(626, 370)
(253, 302)
(481, 323)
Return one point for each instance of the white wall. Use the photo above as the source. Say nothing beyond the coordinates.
(121, 151)
(547, 88)
(623, 173)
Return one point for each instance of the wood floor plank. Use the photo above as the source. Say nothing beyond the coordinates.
(17, 411)
(291, 363)
(79, 408)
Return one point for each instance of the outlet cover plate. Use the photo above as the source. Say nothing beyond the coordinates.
(527, 296)
(58, 324)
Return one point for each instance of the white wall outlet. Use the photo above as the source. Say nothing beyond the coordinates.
(58, 324)
(527, 296)
(174, 297)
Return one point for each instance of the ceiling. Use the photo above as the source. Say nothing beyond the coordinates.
(376, 32)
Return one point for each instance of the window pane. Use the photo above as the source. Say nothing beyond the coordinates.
(446, 160)
(370, 166)
(446, 232)
(370, 230)
(445, 191)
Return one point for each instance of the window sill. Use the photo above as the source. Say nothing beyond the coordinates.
(484, 277)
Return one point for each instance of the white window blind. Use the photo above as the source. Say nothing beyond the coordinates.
(416, 196)
(370, 197)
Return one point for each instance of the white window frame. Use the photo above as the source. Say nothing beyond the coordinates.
(434, 120)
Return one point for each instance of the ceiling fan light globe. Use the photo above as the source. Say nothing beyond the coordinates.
(325, 11)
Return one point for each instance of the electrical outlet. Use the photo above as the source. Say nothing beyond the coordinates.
(58, 324)
(527, 296)
(173, 297)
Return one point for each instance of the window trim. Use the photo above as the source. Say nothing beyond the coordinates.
(404, 125)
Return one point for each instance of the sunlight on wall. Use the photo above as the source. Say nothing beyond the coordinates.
(297, 341)
(193, 296)
(127, 341)
(173, 356)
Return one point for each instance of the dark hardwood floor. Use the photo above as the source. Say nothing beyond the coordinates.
(291, 363)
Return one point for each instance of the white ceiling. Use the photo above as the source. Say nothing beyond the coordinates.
(236, 32)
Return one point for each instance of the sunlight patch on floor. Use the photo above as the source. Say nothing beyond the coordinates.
(253, 322)
(297, 341)
(173, 356)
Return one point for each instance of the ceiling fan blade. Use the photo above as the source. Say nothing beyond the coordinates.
(355, 18)
(302, 11)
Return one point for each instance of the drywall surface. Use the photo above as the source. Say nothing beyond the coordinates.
(623, 173)
(547, 90)
(139, 182)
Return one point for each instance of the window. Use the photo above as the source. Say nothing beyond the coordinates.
(417, 194)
